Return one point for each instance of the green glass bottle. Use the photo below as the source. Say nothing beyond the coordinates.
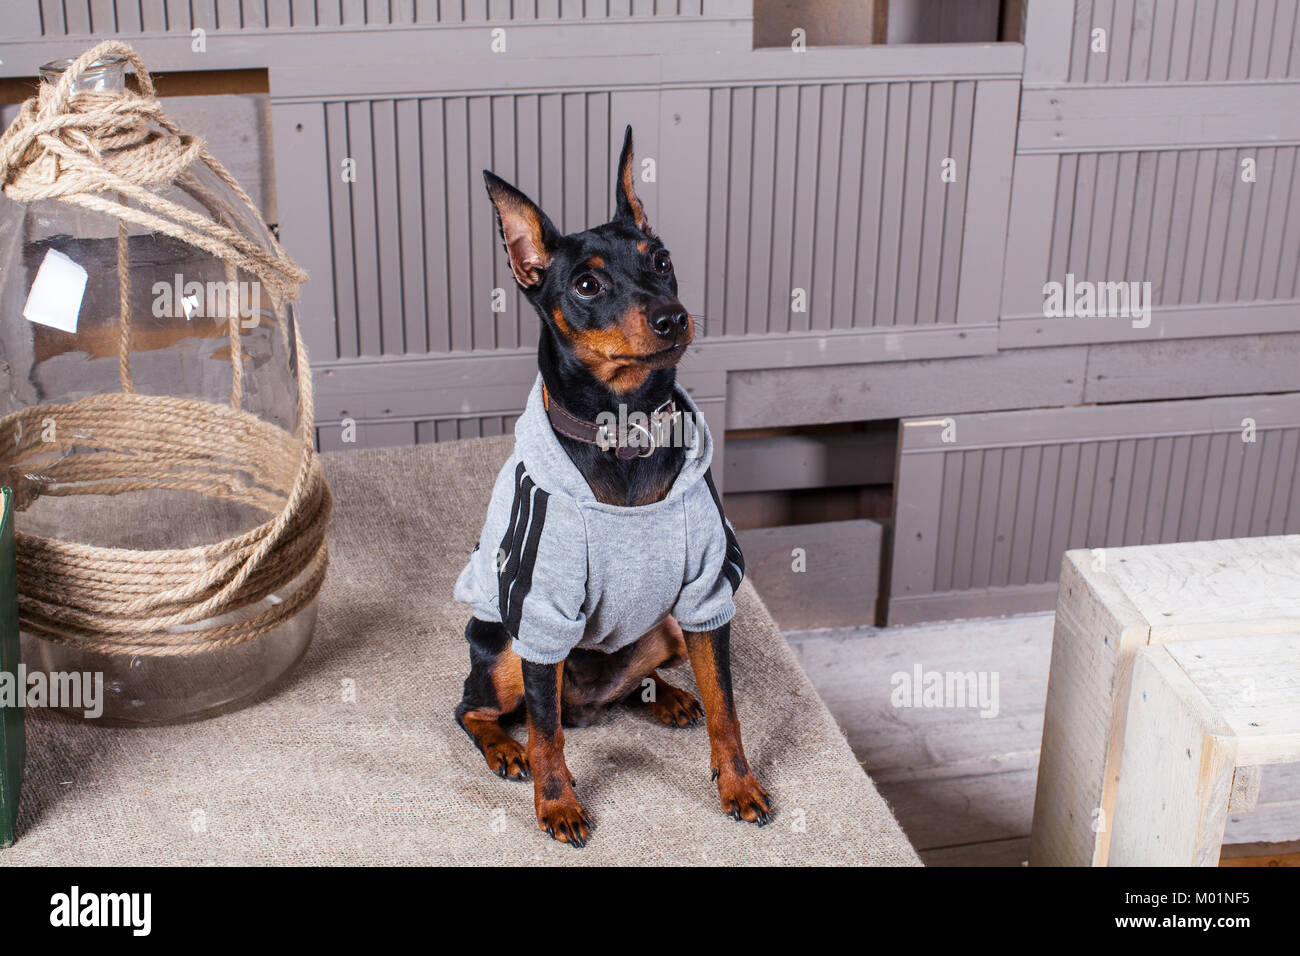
(13, 745)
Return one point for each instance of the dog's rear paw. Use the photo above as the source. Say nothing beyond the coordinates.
(744, 799)
(506, 758)
(565, 820)
(675, 707)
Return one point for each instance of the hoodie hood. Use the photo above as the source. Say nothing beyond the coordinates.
(551, 468)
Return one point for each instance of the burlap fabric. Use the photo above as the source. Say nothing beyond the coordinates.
(310, 776)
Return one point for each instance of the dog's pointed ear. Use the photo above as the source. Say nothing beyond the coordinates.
(529, 236)
(628, 206)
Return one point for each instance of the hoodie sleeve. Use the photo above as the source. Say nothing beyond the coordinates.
(477, 584)
(714, 565)
(529, 569)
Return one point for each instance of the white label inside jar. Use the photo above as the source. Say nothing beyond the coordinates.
(55, 299)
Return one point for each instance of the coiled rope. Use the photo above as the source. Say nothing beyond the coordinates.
(107, 152)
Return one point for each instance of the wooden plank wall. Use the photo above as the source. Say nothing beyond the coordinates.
(1136, 155)
(832, 188)
(1168, 157)
(1174, 41)
(423, 432)
(405, 279)
(404, 285)
(89, 17)
(982, 520)
(1182, 219)
(776, 177)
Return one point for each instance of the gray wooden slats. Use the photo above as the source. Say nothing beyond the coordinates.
(850, 187)
(457, 272)
(77, 18)
(734, 179)
(713, 313)
(50, 21)
(889, 228)
(413, 239)
(379, 434)
(28, 20)
(871, 224)
(342, 268)
(99, 17)
(366, 224)
(504, 128)
(479, 234)
(759, 264)
(1182, 219)
(388, 216)
(915, 177)
(279, 13)
(993, 511)
(253, 16)
(989, 169)
(102, 16)
(203, 14)
(835, 189)
(1080, 118)
(1043, 482)
(930, 222)
(408, 187)
(452, 429)
(684, 112)
(1185, 41)
(302, 187)
(831, 188)
(800, 184)
(1049, 38)
(1079, 36)
(227, 15)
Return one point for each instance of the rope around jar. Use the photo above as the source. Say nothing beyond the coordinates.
(103, 151)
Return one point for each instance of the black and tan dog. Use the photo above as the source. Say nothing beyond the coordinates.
(608, 536)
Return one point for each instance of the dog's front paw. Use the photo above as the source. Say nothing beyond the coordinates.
(676, 707)
(506, 758)
(743, 798)
(564, 819)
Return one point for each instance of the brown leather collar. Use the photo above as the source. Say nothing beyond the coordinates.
(635, 440)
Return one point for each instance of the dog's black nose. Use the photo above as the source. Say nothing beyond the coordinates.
(670, 322)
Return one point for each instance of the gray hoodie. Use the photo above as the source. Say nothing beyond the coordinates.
(563, 570)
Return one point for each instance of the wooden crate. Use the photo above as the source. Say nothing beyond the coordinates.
(1112, 602)
(1203, 718)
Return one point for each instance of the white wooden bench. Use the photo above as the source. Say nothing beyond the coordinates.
(1203, 718)
(1171, 602)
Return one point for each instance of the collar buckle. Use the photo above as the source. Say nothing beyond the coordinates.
(662, 420)
(604, 439)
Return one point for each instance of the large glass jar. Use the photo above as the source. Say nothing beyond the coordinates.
(153, 477)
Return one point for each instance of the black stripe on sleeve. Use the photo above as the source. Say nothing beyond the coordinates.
(732, 575)
(506, 560)
(523, 581)
(734, 564)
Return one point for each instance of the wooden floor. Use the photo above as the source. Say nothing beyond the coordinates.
(962, 784)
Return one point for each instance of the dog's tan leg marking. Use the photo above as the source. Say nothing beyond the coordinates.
(504, 755)
(742, 796)
(558, 811)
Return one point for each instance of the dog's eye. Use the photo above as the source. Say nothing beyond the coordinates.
(663, 264)
(587, 285)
